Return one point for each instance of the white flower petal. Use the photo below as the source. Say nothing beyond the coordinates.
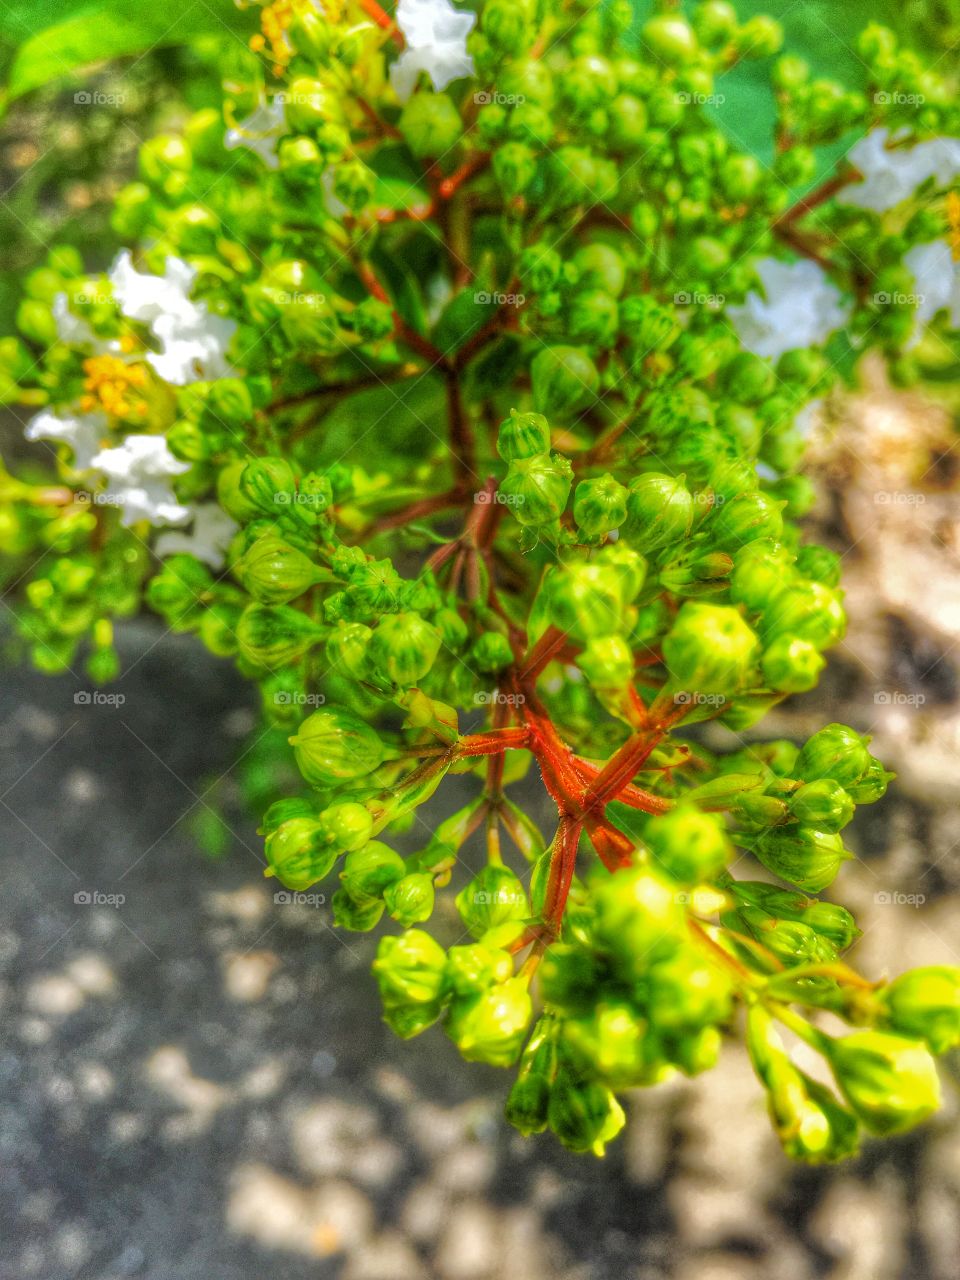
(140, 459)
(801, 309)
(146, 297)
(937, 283)
(890, 176)
(436, 42)
(208, 539)
(83, 432)
(260, 132)
(193, 348)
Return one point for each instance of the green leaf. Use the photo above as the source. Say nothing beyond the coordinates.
(100, 31)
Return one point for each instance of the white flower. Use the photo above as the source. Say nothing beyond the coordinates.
(892, 176)
(436, 42)
(83, 432)
(802, 308)
(192, 339)
(138, 471)
(147, 297)
(208, 540)
(260, 132)
(193, 348)
(75, 331)
(938, 283)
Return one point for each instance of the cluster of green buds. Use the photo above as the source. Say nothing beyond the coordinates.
(457, 393)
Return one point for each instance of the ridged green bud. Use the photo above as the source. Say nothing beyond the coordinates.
(430, 124)
(410, 900)
(599, 505)
(271, 636)
(514, 167)
(490, 1027)
(659, 511)
(670, 38)
(310, 103)
(925, 1003)
(268, 484)
(564, 379)
(587, 600)
(346, 826)
(568, 976)
(610, 1042)
(528, 1102)
(359, 917)
(831, 921)
(593, 317)
(403, 648)
(523, 435)
(537, 488)
(491, 653)
(714, 22)
(274, 572)
(281, 810)
(495, 896)
(346, 648)
(474, 967)
(890, 1082)
(823, 804)
(409, 969)
(648, 324)
(639, 918)
(583, 1114)
(689, 845)
(297, 853)
(607, 662)
(709, 648)
(807, 611)
(368, 871)
(873, 785)
(807, 858)
(790, 665)
(333, 745)
(837, 752)
(746, 518)
(687, 992)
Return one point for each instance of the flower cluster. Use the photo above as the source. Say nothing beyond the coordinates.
(471, 361)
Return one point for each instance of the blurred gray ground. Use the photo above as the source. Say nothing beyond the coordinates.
(195, 1083)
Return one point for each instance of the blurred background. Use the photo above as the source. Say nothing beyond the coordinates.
(194, 1078)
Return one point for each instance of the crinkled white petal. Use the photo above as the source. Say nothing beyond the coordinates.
(140, 459)
(75, 331)
(83, 432)
(208, 539)
(890, 176)
(801, 309)
(436, 42)
(155, 502)
(193, 347)
(260, 132)
(147, 297)
(937, 283)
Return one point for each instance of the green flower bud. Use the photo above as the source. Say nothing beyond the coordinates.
(473, 968)
(273, 636)
(686, 991)
(670, 38)
(714, 22)
(583, 1114)
(346, 826)
(746, 518)
(274, 572)
(890, 1082)
(564, 380)
(490, 1027)
(791, 666)
(165, 161)
(599, 505)
(430, 124)
(491, 653)
(587, 600)
(528, 1103)
(508, 26)
(297, 853)
(361, 917)
(832, 922)
(403, 648)
(792, 941)
(409, 969)
(35, 321)
(514, 167)
(610, 1042)
(568, 977)
(268, 484)
(823, 804)
(495, 896)
(309, 104)
(593, 317)
(523, 435)
(300, 161)
(807, 611)
(819, 563)
(607, 662)
(218, 629)
(639, 919)
(333, 745)
(689, 845)
(179, 591)
(368, 871)
(925, 1004)
(346, 648)
(807, 858)
(410, 899)
(873, 785)
(628, 122)
(835, 751)
(659, 511)
(709, 648)
(281, 810)
(759, 37)
(537, 488)
(527, 80)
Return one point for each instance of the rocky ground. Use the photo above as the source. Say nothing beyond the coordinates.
(194, 1080)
